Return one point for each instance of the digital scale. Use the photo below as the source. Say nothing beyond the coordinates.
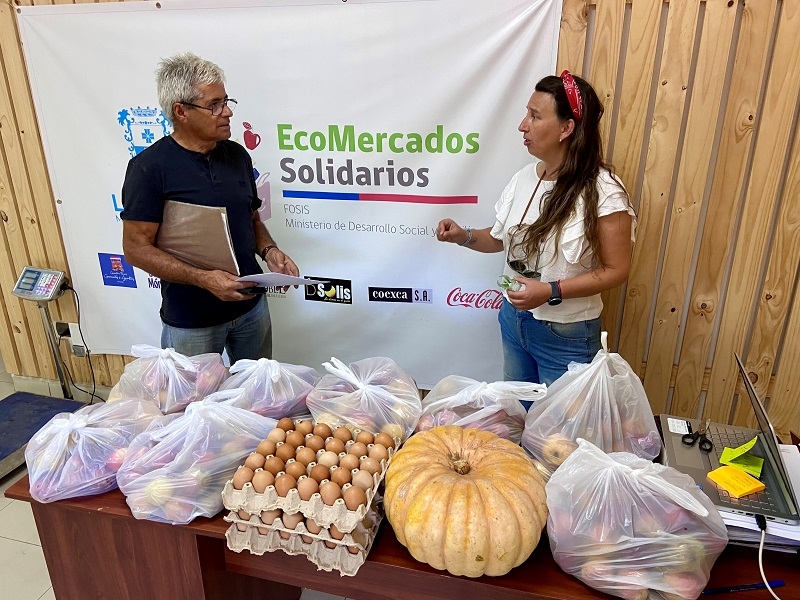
(43, 286)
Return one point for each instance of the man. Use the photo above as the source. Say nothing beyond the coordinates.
(201, 310)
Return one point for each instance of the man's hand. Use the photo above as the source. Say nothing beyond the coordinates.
(278, 262)
(224, 285)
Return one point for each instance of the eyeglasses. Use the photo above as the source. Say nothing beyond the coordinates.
(216, 108)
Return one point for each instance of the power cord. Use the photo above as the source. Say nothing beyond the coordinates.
(761, 521)
(92, 394)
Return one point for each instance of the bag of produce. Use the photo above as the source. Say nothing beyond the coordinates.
(602, 402)
(78, 454)
(492, 407)
(176, 472)
(629, 527)
(271, 388)
(373, 394)
(168, 378)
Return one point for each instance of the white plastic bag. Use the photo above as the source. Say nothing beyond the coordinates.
(271, 388)
(176, 472)
(628, 527)
(602, 402)
(492, 407)
(169, 378)
(78, 454)
(373, 394)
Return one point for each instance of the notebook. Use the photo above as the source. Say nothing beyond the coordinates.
(777, 502)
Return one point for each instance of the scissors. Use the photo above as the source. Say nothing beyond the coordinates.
(690, 438)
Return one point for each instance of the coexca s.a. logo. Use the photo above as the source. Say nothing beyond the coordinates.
(339, 291)
(143, 126)
(387, 294)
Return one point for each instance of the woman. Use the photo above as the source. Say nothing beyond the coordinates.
(566, 226)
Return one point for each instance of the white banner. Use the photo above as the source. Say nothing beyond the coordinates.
(368, 122)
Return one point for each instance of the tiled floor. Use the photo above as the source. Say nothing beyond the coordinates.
(23, 572)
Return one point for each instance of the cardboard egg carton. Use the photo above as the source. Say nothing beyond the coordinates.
(360, 537)
(324, 515)
(339, 558)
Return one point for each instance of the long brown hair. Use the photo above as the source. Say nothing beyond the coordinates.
(577, 176)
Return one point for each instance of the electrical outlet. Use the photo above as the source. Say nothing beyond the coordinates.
(78, 350)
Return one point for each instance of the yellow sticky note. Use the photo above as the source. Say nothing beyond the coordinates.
(735, 481)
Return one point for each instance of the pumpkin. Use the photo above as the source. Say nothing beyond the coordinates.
(465, 500)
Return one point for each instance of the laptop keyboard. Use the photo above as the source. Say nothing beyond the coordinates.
(722, 436)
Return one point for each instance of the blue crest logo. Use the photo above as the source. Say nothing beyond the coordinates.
(143, 126)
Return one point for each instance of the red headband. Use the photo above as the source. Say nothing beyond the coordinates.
(573, 94)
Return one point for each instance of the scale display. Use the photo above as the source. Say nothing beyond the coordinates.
(39, 285)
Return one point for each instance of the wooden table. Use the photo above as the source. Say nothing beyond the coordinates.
(95, 549)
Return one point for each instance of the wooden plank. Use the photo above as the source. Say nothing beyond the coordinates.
(572, 36)
(771, 149)
(116, 366)
(673, 81)
(637, 79)
(609, 20)
(701, 125)
(784, 408)
(755, 37)
(773, 303)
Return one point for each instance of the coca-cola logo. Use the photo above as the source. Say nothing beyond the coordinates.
(491, 299)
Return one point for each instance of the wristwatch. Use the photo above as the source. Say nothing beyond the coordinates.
(555, 295)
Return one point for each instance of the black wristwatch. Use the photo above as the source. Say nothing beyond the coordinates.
(555, 295)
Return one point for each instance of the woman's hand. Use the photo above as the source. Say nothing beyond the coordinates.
(534, 294)
(449, 231)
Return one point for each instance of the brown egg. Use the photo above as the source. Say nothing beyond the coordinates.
(268, 516)
(284, 483)
(354, 497)
(330, 544)
(312, 526)
(343, 433)
(349, 461)
(304, 427)
(320, 473)
(284, 452)
(307, 487)
(266, 448)
(243, 475)
(330, 492)
(363, 479)
(274, 465)
(277, 435)
(334, 445)
(254, 461)
(353, 549)
(379, 452)
(305, 455)
(385, 440)
(295, 438)
(359, 449)
(315, 442)
(295, 469)
(370, 464)
(243, 515)
(322, 430)
(341, 476)
(335, 533)
(291, 521)
(262, 480)
(365, 437)
(329, 459)
(286, 424)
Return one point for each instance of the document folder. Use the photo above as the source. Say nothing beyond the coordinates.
(197, 235)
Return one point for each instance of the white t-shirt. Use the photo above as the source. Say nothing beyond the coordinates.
(574, 257)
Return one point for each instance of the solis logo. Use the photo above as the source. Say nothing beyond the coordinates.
(381, 294)
(491, 299)
(335, 290)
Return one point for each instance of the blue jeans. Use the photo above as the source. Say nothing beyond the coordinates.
(539, 351)
(249, 336)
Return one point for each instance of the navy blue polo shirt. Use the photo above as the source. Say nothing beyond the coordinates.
(224, 177)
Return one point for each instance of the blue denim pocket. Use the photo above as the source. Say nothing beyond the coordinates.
(579, 331)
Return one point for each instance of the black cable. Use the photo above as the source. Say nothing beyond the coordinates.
(761, 521)
(92, 394)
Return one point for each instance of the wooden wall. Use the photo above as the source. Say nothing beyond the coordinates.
(702, 102)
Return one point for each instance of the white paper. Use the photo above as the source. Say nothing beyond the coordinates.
(791, 460)
(279, 279)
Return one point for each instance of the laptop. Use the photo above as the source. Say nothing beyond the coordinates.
(777, 502)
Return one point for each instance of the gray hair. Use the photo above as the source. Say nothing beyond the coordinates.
(178, 76)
